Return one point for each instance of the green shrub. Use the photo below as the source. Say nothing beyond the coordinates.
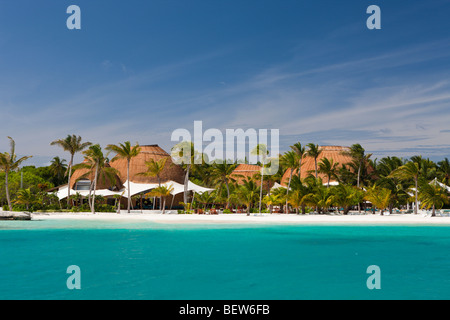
(226, 211)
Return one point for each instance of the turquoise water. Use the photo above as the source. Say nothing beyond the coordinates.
(151, 261)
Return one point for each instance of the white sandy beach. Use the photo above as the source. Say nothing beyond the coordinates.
(283, 219)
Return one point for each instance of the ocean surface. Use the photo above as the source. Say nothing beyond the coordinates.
(145, 260)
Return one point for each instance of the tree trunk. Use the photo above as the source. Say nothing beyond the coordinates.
(164, 206)
(7, 191)
(90, 196)
(433, 212)
(289, 185)
(261, 189)
(416, 196)
(186, 180)
(68, 178)
(128, 179)
(95, 188)
(315, 165)
(300, 168)
(357, 184)
(228, 193)
(159, 184)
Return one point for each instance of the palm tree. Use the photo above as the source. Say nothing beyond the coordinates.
(261, 151)
(380, 197)
(154, 169)
(300, 151)
(345, 196)
(444, 170)
(222, 173)
(314, 152)
(98, 164)
(58, 168)
(270, 201)
(329, 168)
(299, 191)
(408, 171)
(162, 192)
(433, 196)
(26, 197)
(206, 198)
(248, 193)
(296, 199)
(319, 198)
(290, 161)
(125, 151)
(184, 153)
(357, 153)
(8, 163)
(73, 145)
(388, 164)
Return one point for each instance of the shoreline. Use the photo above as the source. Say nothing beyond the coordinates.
(260, 219)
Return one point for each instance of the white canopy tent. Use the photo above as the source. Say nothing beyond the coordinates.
(62, 192)
(136, 188)
(440, 184)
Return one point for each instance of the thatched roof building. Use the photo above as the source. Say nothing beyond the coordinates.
(78, 178)
(244, 171)
(334, 153)
(171, 171)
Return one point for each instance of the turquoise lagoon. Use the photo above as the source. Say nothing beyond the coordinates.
(145, 260)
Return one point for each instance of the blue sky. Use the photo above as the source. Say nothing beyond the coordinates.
(137, 70)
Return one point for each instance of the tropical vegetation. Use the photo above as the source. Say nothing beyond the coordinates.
(362, 183)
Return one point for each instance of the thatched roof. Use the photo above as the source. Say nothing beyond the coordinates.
(101, 183)
(248, 171)
(171, 171)
(331, 152)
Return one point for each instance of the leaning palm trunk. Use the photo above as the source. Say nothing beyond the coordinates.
(228, 194)
(315, 166)
(68, 179)
(261, 189)
(128, 178)
(186, 180)
(416, 205)
(7, 191)
(95, 187)
(164, 206)
(159, 184)
(287, 191)
(300, 168)
(90, 195)
(357, 184)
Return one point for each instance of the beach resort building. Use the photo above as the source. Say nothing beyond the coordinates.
(334, 153)
(171, 175)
